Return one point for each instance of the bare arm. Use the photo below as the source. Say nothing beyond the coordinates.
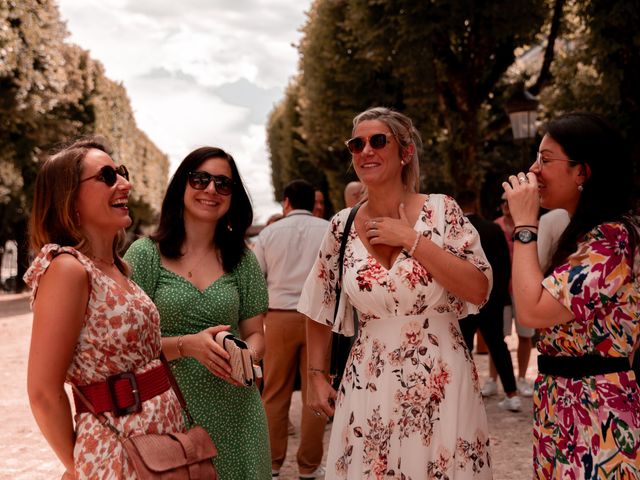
(252, 331)
(58, 315)
(320, 395)
(456, 275)
(536, 307)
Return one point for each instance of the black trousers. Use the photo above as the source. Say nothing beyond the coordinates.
(489, 322)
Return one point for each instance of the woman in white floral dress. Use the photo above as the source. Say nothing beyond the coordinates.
(409, 405)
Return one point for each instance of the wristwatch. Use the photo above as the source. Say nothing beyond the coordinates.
(524, 236)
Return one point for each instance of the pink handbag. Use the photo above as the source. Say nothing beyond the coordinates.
(171, 456)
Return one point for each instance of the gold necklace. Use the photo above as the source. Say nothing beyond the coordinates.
(196, 264)
(109, 263)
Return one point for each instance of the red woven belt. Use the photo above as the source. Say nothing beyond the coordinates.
(123, 393)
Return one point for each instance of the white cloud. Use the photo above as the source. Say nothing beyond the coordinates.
(198, 72)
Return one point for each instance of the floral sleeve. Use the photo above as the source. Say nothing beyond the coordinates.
(462, 240)
(318, 297)
(598, 277)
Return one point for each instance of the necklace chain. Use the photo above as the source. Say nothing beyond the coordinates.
(197, 264)
(109, 263)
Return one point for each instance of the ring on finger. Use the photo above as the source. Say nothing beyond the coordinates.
(522, 179)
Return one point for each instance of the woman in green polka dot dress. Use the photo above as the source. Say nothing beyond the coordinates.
(203, 279)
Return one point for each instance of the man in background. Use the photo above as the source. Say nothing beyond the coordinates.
(489, 320)
(286, 251)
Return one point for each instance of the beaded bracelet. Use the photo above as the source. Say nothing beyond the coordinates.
(415, 244)
(180, 345)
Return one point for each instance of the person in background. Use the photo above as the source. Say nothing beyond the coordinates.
(587, 400)
(91, 324)
(489, 320)
(354, 193)
(550, 228)
(525, 335)
(286, 252)
(318, 206)
(409, 404)
(204, 280)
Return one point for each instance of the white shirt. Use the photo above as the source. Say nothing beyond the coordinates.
(550, 228)
(286, 251)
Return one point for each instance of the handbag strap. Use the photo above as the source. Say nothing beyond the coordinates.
(343, 246)
(101, 418)
(176, 388)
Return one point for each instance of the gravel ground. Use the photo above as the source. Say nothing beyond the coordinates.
(26, 456)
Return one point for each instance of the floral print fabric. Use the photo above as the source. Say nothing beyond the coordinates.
(121, 333)
(589, 428)
(409, 405)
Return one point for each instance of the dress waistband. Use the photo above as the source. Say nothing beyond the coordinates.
(583, 366)
(123, 393)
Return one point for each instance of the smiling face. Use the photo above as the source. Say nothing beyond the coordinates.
(207, 205)
(100, 207)
(559, 178)
(377, 167)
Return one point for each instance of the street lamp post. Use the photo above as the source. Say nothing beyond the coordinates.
(522, 108)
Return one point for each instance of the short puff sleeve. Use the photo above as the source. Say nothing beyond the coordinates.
(318, 297)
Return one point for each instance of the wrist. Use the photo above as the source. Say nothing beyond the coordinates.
(530, 225)
(180, 346)
(414, 245)
(316, 371)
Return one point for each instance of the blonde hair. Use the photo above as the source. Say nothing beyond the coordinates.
(405, 134)
(53, 215)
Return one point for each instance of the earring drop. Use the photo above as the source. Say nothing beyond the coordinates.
(229, 227)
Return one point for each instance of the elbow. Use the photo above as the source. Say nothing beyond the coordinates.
(479, 296)
(42, 398)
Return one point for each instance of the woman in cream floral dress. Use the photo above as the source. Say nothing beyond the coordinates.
(409, 404)
(90, 322)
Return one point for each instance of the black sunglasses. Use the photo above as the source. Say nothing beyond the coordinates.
(377, 141)
(109, 175)
(201, 180)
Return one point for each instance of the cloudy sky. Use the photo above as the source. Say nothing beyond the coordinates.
(198, 72)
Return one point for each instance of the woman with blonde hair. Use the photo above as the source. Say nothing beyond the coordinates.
(409, 404)
(92, 326)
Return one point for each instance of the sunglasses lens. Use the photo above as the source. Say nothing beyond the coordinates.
(123, 172)
(199, 180)
(108, 176)
(223, 184)
(378, 141)
(356, 145)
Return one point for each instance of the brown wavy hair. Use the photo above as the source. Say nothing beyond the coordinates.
(53, 217)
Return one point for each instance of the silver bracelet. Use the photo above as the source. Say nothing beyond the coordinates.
(415, 244)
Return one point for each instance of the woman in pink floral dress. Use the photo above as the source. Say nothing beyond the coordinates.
(586, 400)
(90, 322)
(409, 404)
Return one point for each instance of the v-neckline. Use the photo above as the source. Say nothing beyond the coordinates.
(191, 283)
(401, 252)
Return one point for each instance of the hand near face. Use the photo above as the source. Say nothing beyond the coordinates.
(394, 232)
(524, 200)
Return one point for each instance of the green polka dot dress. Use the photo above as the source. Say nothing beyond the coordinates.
(233, 416)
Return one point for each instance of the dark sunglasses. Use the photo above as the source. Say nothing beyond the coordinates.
(377, 141)
(109, 175)
(201, 180)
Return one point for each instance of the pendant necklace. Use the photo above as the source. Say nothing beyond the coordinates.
(195, 265)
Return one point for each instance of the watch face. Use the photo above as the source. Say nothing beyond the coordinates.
(525, 236)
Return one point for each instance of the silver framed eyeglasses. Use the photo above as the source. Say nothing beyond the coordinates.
(542, 160)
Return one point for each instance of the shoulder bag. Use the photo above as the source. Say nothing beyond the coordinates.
(176, 456)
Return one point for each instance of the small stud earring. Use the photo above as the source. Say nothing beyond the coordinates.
(580, 188)
(402, 162)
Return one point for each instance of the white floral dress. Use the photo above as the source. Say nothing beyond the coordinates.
(409, 405)
(121, 333)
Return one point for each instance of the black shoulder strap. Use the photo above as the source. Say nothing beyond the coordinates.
(343, 246)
